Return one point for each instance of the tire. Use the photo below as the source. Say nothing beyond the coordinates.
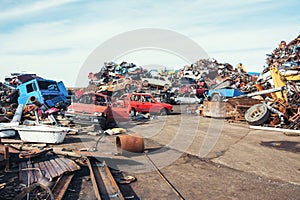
(145, 83)
(216, 97)
(257, 114)
(164, 112)
(132, 112)
(166, 86)
(127, 88)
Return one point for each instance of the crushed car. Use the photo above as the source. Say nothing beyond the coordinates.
(47, 92)
(98, 109)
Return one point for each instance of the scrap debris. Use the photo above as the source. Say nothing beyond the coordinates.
(37, 110)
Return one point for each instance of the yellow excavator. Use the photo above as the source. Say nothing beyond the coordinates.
(282, 101)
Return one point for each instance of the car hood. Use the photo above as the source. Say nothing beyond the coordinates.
(79, 108)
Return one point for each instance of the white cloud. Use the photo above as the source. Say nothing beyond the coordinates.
(31, 8)
(58, 48)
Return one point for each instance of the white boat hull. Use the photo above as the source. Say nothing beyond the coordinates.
(42, 134)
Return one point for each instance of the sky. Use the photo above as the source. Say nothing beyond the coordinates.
(54, 38)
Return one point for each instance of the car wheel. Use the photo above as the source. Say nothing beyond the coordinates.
(257, 114)
(132, 112)
(216, 97)
(164, 111)
(166, 86)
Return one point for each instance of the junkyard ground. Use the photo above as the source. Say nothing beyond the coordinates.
(203, 158)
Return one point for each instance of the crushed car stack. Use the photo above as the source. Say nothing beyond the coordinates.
(279, 86)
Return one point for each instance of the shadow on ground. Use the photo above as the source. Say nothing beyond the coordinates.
(283, 145)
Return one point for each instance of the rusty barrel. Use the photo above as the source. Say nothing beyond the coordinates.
(130, 143)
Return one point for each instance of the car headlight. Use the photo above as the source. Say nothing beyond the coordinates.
(99, 114)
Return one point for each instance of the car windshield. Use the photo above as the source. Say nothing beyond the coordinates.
(93, 99)
(100, 101)
(48, 85)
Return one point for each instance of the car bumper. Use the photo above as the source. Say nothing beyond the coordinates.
(86, 119)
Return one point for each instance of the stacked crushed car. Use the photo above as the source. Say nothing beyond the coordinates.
(279, 89)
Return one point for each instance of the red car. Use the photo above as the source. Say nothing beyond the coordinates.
(144, 103)
(96, 108)
(191, 89)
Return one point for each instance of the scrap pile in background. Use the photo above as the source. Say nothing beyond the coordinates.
(280, 107)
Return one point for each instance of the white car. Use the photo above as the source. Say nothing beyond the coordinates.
(116, 85)
(187, 99)
(157, 81)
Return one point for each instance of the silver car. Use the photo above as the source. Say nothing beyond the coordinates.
(187, 99)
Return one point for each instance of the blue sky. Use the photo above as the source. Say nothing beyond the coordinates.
(54, 38)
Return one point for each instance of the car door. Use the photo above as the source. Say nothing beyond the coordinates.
(135, 102)
(186, 98)
(151, 104)
(119, 111)
(145, 103)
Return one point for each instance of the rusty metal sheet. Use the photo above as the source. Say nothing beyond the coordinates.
(50, 169)
(214, 109)
(233, 108)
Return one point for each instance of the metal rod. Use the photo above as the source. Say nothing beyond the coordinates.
(164, 178)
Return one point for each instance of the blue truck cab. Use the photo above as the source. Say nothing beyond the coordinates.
(48, 92)
(221, 94)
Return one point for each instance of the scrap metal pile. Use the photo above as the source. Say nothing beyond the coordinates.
(279, 86)
(41, 111)
(116, 79)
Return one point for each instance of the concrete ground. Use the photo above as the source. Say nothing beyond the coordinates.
(206, 158)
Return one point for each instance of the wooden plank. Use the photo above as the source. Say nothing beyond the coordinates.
(30, 173)
(44, 170)
(11, 149)
(61, 186)
(37, 173)
(23, 174)
(10, 141)
(94, 181)
(99, 155)
(104, 184)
